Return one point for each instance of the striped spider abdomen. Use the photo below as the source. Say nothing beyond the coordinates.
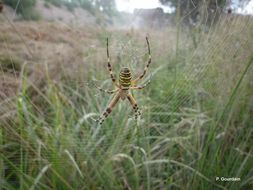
(125, 78)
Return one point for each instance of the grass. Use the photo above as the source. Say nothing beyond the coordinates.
(196, 124)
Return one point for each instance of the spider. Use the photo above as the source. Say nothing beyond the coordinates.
(123, 86)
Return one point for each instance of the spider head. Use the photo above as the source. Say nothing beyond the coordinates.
(125, 77)
(125, 70)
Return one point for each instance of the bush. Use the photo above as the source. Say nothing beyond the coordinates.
(56, 3)
(25, 8)
(22, 5)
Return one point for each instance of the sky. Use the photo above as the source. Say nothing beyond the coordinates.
(248, 9)
(130, 5)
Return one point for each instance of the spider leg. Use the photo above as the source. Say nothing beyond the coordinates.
(146, 67)
(134, 105)
(109, 108)
(140, 87)
(106, 91)
(109, 66)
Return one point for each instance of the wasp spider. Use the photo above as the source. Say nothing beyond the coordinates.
(123, 86)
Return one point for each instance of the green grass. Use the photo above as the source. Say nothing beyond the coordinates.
(196, 123)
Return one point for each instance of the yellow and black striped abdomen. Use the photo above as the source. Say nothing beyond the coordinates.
(125, 77)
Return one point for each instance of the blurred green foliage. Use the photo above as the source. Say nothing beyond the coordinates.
(20, 5)
(25, 8)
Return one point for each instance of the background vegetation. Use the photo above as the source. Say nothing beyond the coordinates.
(196, 121)
(26, 7)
